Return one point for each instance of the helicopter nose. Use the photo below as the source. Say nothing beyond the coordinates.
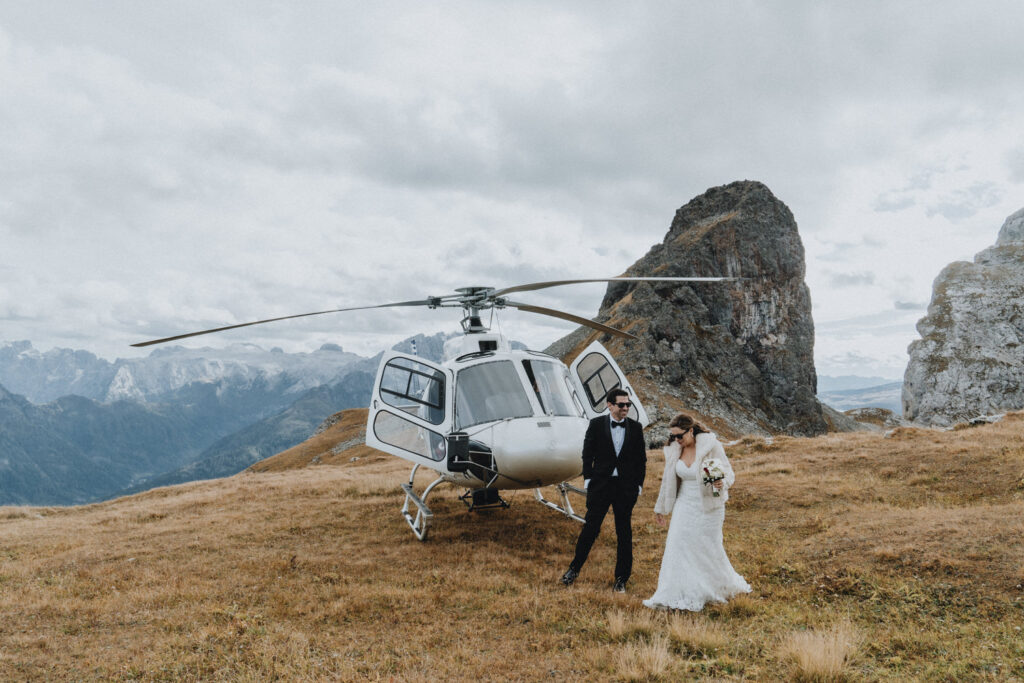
(539, 451)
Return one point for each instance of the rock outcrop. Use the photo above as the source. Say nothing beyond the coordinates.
(738, 354)
(969, 360)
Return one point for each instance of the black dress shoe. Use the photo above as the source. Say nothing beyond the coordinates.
(620, 586)
(569, 576)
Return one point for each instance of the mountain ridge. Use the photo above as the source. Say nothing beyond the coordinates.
(75, 449)
(45, 376)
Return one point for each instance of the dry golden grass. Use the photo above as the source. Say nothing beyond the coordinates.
(822, 656)
(311, 574)
(623, 625)
(697, 634)
(644, 660)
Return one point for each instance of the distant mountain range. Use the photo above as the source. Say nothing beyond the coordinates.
(75, 428)
(847, 393)
(44, 377)
(828, 384)
(269, 436)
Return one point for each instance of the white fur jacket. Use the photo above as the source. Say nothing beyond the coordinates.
(708, 447)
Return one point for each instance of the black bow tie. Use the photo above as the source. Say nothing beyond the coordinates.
(619, 424)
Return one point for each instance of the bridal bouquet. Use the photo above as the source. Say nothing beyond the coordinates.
(713, 472)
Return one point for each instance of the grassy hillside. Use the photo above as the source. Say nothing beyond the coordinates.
(871, 558)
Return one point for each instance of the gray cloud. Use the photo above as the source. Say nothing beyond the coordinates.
(169, 167)
(1015, 163)
(841, 280)
(893, 201)
(861, 364)
(907, 196)
(966, 203)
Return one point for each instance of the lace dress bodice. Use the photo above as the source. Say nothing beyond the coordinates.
(686, 473)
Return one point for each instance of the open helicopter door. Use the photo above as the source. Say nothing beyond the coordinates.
(595, 373)
(411, 416)
(411, 410)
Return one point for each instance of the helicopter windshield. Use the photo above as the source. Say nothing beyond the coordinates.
(489, 392)
(550, 384)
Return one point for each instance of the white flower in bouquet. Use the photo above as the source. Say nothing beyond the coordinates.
(713, 472)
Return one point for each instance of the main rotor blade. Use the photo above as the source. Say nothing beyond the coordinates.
(570, 317)
(425, 302)
(558, 283)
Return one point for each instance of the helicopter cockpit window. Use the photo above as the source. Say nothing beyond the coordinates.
(415, 388)
(598, 379)
(489, 392)
(549, 384)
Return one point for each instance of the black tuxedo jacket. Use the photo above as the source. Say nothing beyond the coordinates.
(599, 460)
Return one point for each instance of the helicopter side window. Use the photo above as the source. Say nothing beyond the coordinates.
(598, 379)
(489, 392)
(550, 384)
(401, 433)
(415, 388)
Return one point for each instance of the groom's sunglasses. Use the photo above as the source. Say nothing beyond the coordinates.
(623, 404)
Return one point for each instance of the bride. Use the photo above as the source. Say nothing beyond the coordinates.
(694, 569)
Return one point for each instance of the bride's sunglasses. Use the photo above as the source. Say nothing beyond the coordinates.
(673, 437)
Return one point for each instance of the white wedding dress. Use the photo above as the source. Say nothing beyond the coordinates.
(695, 569)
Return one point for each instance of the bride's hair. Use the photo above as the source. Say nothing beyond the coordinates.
(686, 423)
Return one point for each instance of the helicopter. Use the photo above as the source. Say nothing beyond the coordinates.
(488, 417)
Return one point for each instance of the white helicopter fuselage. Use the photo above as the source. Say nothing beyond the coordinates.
(490, 416)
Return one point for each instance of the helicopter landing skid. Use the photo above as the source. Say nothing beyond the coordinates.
(566, 507)
(420, 522)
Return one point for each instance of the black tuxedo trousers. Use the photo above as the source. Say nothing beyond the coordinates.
(619, 494)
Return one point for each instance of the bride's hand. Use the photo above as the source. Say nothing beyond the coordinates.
(660, 519)
(719, 484)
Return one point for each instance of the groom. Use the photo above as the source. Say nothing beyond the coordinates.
(614, 467)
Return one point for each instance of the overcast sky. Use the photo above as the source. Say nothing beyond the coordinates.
(173, 166)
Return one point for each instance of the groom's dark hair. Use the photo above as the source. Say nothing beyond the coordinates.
(615, 393)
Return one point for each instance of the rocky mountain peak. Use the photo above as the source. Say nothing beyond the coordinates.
(738, 354)
(1012, 230)
(969, 360)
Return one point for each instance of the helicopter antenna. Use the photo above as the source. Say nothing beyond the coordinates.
(496, 318)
